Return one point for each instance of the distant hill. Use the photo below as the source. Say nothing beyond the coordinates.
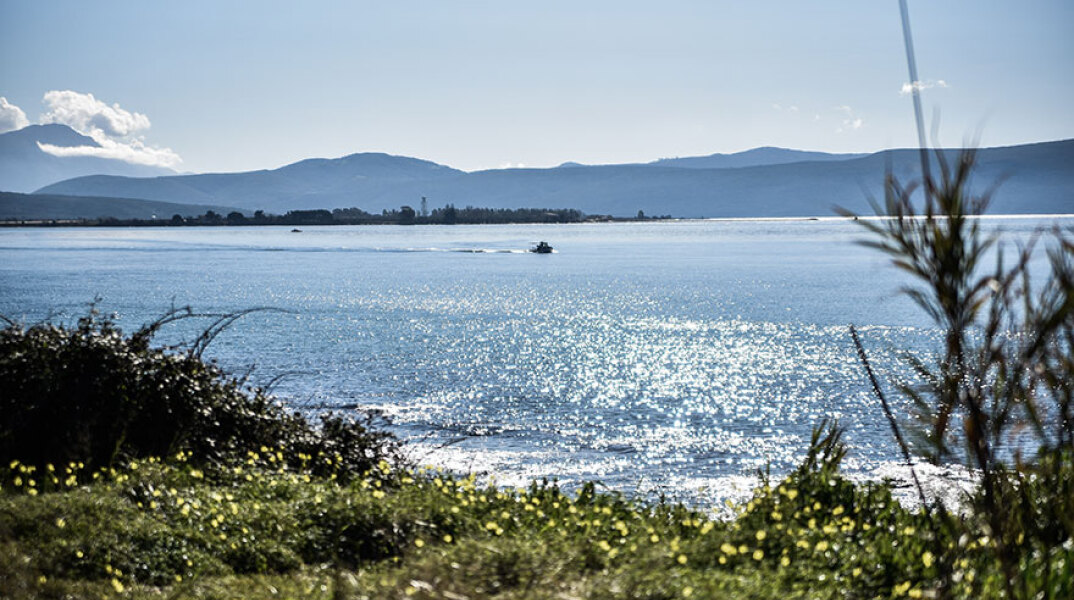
(756, 157)
(24, 167)
(1037, 178)
(24, 207)
(315, 183)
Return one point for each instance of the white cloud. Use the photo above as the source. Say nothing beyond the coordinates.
(133, 151)
(87, 114)
(908, 88)
(11, 116)
(111, 126)
(850, 120)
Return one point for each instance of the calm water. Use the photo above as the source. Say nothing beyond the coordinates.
(671, 357)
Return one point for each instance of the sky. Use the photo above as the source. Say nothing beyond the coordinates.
(224, 85)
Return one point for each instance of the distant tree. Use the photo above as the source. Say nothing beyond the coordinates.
(641, 214)
(318, 216)
(449, 215)
(259, 215)
(211, 216)
(235, 218)
(177, 219)
(406, 215)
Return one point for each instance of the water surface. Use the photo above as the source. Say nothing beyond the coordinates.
(673, 357)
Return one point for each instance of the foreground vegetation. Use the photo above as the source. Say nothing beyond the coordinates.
(269, 527)
(133, 471)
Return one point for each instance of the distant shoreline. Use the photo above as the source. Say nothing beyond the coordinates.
(590, 219)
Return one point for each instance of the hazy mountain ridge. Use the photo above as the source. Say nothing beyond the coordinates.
(16, 207)
(1036, 178)
(765, 155)
(25, 167)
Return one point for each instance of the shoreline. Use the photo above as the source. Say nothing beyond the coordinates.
(596, 219)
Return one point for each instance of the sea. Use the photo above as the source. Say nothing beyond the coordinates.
(673, 359)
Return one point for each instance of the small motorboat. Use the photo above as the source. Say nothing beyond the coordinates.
(541, 248)
(296, 230)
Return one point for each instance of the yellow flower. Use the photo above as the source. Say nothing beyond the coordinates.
(785, 561)
(927, 558)
(682, 559)
(728, 549)
(761, 535)
(758, 554)
(822, 546)
(901, 589)
(447, 538)
(61, 523)
(419, 542)
(117, 585)
(687, 591)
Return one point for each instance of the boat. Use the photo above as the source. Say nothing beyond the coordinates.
(296, 230)
(541, 248)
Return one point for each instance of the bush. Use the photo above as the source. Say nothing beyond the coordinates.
(90, 394)
(998, 396)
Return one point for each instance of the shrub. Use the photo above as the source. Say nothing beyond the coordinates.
(1001, 386)
(90, 394)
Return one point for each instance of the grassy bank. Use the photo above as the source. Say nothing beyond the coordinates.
(270, 527)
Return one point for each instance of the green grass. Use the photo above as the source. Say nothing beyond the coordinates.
(267, 529)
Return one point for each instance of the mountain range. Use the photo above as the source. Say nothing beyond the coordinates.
(25, 167)
(764, 182)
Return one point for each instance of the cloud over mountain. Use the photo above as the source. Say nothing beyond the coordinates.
(115, 129)
(11, 116)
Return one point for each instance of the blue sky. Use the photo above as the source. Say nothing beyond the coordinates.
(227, 85)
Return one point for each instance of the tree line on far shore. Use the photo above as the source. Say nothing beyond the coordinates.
(448, 215)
